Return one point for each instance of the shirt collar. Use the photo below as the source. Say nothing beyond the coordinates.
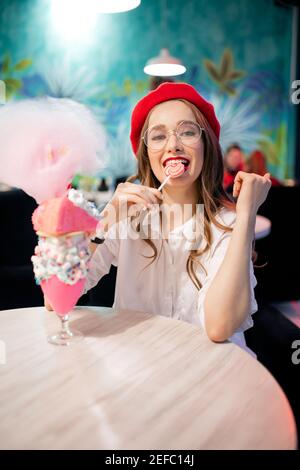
(186, 230)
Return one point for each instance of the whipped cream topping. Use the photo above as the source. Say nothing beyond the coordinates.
(78, 199)
(66, 257)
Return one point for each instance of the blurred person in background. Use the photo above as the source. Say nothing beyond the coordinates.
(234, 161)
(156, 81)
(257, 163)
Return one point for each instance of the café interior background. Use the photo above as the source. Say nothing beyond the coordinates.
(237, 55)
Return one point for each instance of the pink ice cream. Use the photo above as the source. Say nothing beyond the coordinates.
(62, 255)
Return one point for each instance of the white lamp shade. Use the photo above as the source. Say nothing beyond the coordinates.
(115, 6)
(164, 65)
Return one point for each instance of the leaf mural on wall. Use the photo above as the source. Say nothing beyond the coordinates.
(239, 122)
(142, 86)
(13, 84)
(129, 87)
(6, 64)
(224, 73)
(23, 64)
(122, 162)
(270, 89)
(275, 149)
(66, 81)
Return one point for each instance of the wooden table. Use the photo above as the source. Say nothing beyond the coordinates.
(136, 381)
(262, 227)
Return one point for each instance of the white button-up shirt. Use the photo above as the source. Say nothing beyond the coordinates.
(164, 287)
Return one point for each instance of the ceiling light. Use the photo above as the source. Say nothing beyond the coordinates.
(116, 6)
(164, 65)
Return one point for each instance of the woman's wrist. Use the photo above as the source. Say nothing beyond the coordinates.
(247, 216)
(245, 228)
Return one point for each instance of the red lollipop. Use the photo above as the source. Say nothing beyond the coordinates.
(174, 169)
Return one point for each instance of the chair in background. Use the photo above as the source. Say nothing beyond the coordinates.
(121, 179)
(104, 292)
(280, 279)
(18, 239)
(272, 336)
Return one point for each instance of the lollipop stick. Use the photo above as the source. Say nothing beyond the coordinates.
(164, 182)
(159, 189)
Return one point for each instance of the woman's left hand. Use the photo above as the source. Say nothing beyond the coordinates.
(251, 191)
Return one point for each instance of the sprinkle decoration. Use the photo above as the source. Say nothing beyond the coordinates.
(67, 257)
(79, 200)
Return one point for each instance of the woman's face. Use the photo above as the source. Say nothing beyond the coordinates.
(169, 114)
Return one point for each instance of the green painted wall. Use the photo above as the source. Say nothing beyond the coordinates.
(237, 55)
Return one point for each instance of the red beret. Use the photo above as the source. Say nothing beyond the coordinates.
(165, 92)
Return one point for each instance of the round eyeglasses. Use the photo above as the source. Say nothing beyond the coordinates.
(188, 132)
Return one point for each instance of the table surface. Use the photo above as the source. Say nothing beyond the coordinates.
(262, 227)
(136, 381)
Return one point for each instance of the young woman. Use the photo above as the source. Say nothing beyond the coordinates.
(210, 282)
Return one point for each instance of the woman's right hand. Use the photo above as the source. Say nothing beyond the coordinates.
(128, 195)
(47, 304)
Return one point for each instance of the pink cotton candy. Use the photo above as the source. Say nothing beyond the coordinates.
(45, 142)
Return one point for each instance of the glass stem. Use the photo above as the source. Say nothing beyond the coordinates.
(65, 325)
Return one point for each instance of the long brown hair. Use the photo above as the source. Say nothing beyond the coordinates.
(209, 184)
